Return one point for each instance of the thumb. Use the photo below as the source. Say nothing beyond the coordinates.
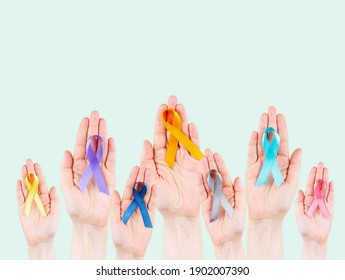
(294, 169)
(239, 194)
(115, 212)
(66, 171)
(300, 204)
(54, 202)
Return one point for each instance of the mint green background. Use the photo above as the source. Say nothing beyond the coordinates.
(226, 61)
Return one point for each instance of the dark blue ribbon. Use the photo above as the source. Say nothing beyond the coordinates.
(138, 202)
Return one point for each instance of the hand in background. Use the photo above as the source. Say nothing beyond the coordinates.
(39, 230)
(226, 232)
(315, 229)
(132, 239)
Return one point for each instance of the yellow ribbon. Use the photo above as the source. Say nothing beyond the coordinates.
(31, 182)
(176, 136)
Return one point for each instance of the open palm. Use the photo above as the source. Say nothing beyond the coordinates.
(91, 206)
(37, 228)
(317, 227)
(268, 201)
(178, 188)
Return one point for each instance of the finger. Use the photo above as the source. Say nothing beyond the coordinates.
(272, 117)
(147, 152)
(262, 127)
(43, 188)
(20, 194)
(115, 214)
(110, 161)
(204, 165)
(172, 102)
(147, 161)
(194, 134)
(66, 171)
(319, 171)
(152, 203)
(325, 174)
(283, 133)
(294, 169)
(24, 174)
(102, 131)
(30, 166)
(93, 124)
(300, 204)
(79, 149)
(54, 202)
(132, 179)
(204, 190)
(181, 110)
(160, 133)
(330, 196)
(309, 191)
(240, 202)
(253, 148)
(212, 164)
(223, 170)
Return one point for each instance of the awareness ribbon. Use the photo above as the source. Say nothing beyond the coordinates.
(93, 168)
(319, 200)
(31, 182)
(216, 185)
(138, 202)
(176, 136)
(270, 163)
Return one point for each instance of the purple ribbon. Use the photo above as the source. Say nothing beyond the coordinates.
(93, 168)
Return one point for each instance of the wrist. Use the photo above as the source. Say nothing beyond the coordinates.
(231, 250)
(268, 224)
(123, 255)
(42, 251)
(314, 250)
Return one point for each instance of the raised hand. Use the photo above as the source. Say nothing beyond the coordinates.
(178, 197)
(226, 232)
(89, 210)
(132, 239)
(39, 230)
(315, 229)
(268, 204)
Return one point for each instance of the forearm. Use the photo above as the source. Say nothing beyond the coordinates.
(265, 240)
(42, 251)
(182, 238)
(88, 242)
(313, 250)
(232, 250)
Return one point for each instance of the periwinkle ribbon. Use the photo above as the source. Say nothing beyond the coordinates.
(320, 189)
(93, 168)
(138, 201)
(219, 199)
(176, 137)
(31, 182)
(270, 164)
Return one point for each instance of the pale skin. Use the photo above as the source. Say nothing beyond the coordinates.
(178, 189)
(39, 231)
(268, 205)
(315, 229)
(131, 239)
(226, 232)
(89, 210)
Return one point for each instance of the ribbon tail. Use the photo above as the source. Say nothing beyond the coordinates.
(264, 173)
(312, 208)
(98, 175)
(227, 206)
(171, 151)
(128, 213)
(215, 206)
(277, 175)
(40, 205)
(85, 179)
(324, 210)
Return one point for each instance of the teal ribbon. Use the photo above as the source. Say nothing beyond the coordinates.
(270, 163)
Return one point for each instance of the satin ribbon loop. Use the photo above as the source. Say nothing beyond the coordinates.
(270, 148)
(138, 201)
(31, 182)
(93, 168)
(219, 199)
(320, 188)
(176, 137)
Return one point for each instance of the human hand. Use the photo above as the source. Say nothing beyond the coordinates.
(315, 229)
(226, 232)
(39, 230)
(132, 239)
(269, 201)
(90, 207)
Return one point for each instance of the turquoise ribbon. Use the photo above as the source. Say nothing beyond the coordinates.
(270, 163)
(138, 201)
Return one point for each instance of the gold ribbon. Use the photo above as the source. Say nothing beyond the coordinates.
(31, 182)
(176, 136)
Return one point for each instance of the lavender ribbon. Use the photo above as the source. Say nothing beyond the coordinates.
(93, 168)
(216, 185)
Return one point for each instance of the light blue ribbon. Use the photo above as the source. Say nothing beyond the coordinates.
(270, 163)
(219, 199)
(138, 202)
